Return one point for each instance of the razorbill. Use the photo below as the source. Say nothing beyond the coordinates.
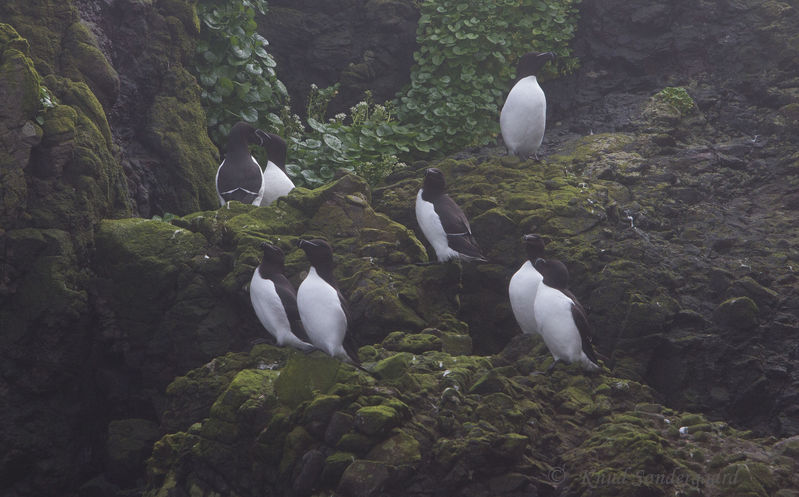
(524, 114)
(562, 321)
(277, 183)
(323, 310)
(239, 177)
(275, 300)
(443, 223)
(524, 285)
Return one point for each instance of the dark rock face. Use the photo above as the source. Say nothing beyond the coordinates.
(362, 44)
(728, 172)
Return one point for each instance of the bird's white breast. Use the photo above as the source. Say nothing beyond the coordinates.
(321, 314)
(276, 184)
(523, 117)
(556, 324)
(522, 290)
(432, 229)
(269, 308)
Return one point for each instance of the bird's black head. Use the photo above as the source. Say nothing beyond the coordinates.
(272, 253)
(318, 251)
(533, 246)
(242, 134)
(555, 273)
(434, 181)
(275, 148)
(530, 64)
(272, 260)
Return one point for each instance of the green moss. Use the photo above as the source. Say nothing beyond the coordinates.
(321, 408)
(78, 95)
(60, 125)
(83, 61)
(398, 450)
(19, 79)
(738, 313)
(414, 343)
(335, 465)
(372, 420)
(355, 442)
(303, 375)
(176, 130)
(747, 479)
(251, 389)
(298, 441)
(394, 366)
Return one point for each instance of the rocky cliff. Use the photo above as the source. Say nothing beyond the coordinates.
(669, 187)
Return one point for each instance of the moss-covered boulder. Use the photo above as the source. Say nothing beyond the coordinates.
(535, 434)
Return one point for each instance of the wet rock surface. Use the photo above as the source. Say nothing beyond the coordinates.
(361, 44)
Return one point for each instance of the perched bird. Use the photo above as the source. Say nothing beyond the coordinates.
(524, 285)
(561, 319)
(239, 177)
(275, 300)
(443, 223)
(323, 310)
(277, 183)
(524, 114)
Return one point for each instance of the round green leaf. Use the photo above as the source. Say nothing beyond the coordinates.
(332, 142)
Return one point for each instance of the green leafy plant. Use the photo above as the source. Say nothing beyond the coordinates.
(366, 142)
(467, 60)
(234, 68)
(47, 100)
(678, 98)
(166, 218)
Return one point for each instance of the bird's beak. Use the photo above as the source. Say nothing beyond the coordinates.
(262, 135)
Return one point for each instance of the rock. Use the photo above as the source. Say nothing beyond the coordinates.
(739, 313)
(363, 479)
(371, 420)
(130, 442)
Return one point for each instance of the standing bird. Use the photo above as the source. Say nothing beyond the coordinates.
(524, 115)
(524, 285)
(239, 177)
(443, 223)
(323, 310)
(562, 321)
(277, 183)
(275, 301)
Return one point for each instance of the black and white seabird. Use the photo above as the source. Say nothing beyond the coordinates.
(275, 300)
(443, 223)
(277, 183)
(524, 115)
(524, 285)
(239, 177)
(323, 309)
(562, 321)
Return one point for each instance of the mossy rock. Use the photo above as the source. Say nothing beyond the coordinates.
(394, 366)
(363, 479)
(413, 343)
(739, 313)
(305, 374)
(18, 77)
(83, 61)
(373, 420)
(400, 449)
